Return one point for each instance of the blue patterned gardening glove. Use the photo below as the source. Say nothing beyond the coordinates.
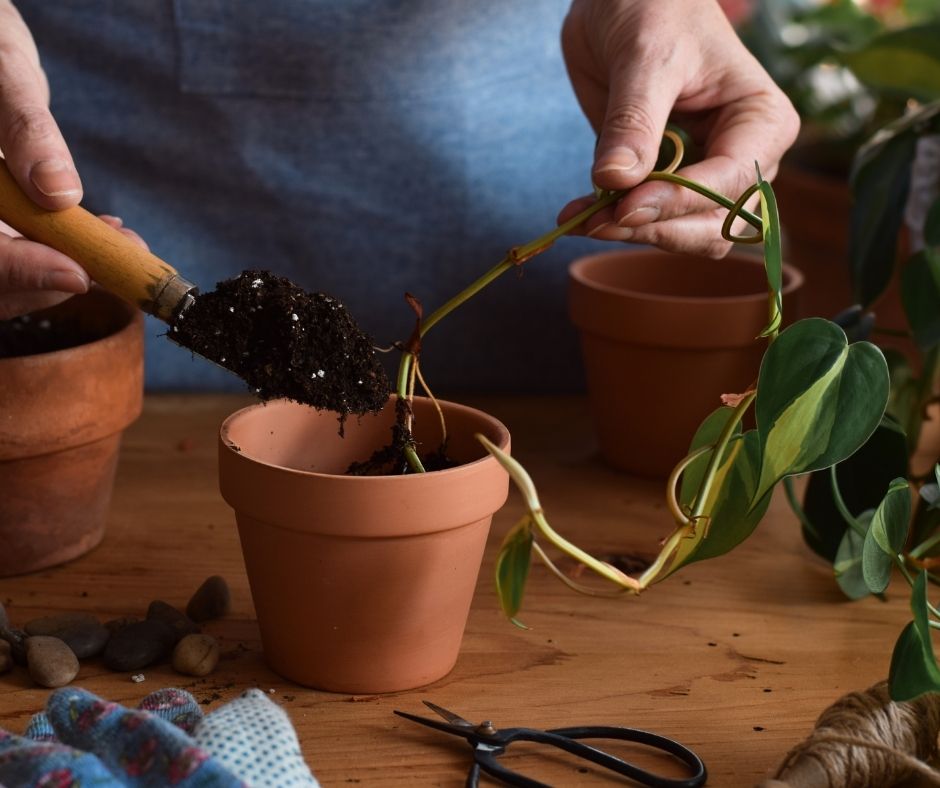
(253, 737)
(82, 741)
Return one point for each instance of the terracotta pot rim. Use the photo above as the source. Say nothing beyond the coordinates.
(793, 278)
(134, 318)
(416, 478)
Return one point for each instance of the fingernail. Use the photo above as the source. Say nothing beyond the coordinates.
(640, 216)
(65, 282)
(620, 159)
(610, 232)
(54, 178)
(115, 221)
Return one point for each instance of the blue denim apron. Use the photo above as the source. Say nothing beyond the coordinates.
(362, 148)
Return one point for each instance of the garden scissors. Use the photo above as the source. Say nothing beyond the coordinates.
(488, 744)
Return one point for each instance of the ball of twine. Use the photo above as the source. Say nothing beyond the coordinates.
(866, 739)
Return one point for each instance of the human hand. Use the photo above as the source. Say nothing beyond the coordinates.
(635, 65)
(33, 276)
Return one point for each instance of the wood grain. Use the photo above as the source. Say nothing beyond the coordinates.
(734, 657)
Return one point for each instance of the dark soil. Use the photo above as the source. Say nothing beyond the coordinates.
(285, 342)
(32, 334)
(390, 460)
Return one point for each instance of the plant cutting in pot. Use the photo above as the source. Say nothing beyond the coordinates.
(360, 583)
(817, 399)
(383, 611)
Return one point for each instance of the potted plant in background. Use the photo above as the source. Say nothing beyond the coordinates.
(849, 68)
(72, 382)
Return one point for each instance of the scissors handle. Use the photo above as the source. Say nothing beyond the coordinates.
(566, 739)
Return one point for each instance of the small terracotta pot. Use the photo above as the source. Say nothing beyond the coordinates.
(61, 418)
(663, 337)
(360, 584)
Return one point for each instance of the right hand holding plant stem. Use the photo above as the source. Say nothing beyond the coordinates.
(635, 65)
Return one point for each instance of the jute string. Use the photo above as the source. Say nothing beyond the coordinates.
(866, 739)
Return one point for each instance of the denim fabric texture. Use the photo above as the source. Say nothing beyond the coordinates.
(363, 148)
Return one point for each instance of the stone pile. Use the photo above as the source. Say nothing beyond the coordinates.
(50, 647)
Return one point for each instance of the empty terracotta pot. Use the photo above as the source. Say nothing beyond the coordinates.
(663, 336)
(61, 418)
(360, 584)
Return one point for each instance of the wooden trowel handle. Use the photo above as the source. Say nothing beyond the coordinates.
(111, 258)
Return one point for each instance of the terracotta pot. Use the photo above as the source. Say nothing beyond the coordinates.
(61, 418)
(361, 584)
(663, 337)
(814, 213)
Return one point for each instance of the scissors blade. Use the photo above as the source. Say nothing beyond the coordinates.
(446, 727)
(453, 719)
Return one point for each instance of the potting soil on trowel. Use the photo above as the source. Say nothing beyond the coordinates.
(285, 342)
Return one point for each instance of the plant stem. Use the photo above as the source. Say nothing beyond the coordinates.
(714, 196)
(718, 455)
(520, 254)
(798, 508)
(849, 518)
(925, 546)
(603, 569)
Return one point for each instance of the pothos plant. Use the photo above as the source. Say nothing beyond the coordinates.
(859, 514)
(820, 397)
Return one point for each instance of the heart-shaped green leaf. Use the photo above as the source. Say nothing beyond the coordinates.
(920, 293)
(818, 400)
(914, 668)
(886, 536)
(847, 566)
(512, 567)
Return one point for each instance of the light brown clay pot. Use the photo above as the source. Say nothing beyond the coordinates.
(61, 418)
(360, 584)
(663, 336)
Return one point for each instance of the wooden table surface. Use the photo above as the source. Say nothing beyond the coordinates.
(734, 657)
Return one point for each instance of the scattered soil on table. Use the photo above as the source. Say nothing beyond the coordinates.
(285, 342)
(29, 335)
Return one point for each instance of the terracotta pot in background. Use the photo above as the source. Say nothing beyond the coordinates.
(663, 337)
(61, 418)
(814, 214)
(361, 584)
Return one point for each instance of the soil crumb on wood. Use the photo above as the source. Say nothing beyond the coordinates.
(285, 342)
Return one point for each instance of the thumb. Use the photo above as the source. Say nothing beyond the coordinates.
(30, 139)
(638, 108)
